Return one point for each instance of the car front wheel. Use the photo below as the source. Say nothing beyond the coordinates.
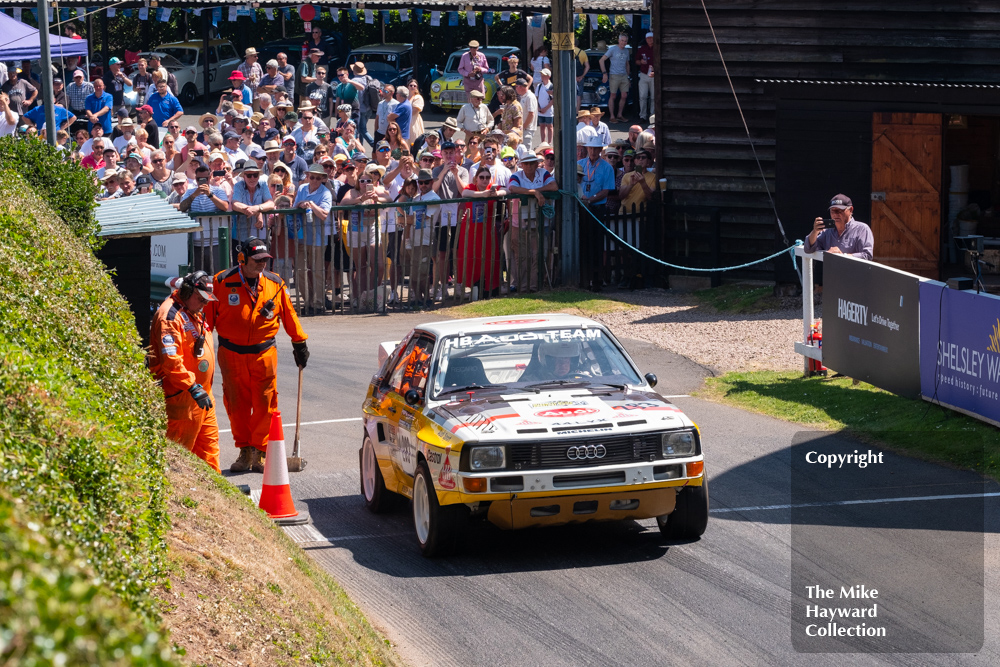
(437, 527)
(189, 93)
(689, 519)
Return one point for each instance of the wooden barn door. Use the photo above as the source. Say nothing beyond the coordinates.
(906, 191)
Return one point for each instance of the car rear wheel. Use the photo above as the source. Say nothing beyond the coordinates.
(437, 527)
(377, 497)
(690, 516)
(189, 93)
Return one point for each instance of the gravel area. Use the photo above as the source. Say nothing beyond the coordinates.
(719, 341)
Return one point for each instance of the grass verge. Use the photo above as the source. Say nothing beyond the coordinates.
(556, 301)
(915, 427)
(739, 299)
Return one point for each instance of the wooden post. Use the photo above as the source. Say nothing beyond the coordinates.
(206, 18)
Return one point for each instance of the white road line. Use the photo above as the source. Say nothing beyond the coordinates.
(875, 501)
(678, 396)
(324, 421)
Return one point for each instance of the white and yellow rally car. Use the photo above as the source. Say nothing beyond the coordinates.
(526, 421)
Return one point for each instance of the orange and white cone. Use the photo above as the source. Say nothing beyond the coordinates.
(276, 496)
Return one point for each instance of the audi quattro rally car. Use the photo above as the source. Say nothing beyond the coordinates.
(529, 421)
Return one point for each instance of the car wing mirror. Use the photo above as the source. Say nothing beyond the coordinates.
(651, 379)
(412, 397)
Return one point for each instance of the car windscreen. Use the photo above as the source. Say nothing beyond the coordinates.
(529, 360)
(186, 57)
(452, 66)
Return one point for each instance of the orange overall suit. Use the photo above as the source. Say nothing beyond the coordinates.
(172, 360)
(246, 324)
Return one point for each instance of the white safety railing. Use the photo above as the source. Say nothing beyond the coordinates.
(804, 347)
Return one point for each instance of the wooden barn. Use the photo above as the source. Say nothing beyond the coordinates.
(896, 104)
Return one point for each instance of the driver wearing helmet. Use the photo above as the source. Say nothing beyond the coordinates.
(561, 360)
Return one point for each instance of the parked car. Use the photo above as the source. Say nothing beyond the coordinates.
(526, 421)
(447, 91)
(595, 91)
(186, 62)
(335, 49)
(392, 63)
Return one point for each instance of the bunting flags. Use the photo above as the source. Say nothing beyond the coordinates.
(233, 14)
(593, 20)
(216, 16)
(81, 12)
(488, 18)
(353, 13)
(385, 16)
(286, 12)
(143, 13)
(435, 18)
(452, 18)
(404, 15)
(165, 14)
(505, 17)
(335, 15)
(369, 16)
(471, 18)
(197, 12)
(269, 13)
(17, 13)
(628, 19)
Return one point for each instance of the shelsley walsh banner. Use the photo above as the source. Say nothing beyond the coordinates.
(960, 350)
(870, 323)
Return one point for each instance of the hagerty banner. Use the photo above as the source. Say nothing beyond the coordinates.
(960, 350)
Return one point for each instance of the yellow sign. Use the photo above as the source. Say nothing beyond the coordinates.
(562, 41)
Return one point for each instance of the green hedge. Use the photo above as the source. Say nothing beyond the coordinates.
(68, 188)
(81, 447)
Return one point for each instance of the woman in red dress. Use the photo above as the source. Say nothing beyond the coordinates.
(477, 252)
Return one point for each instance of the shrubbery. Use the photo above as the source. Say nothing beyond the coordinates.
(81, 442)
(69, 189)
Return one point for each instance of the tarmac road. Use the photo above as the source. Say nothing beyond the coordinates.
(618, 594)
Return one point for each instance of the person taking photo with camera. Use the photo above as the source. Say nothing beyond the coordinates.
(841, 233)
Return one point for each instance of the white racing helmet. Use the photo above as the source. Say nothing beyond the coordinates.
(562, 349)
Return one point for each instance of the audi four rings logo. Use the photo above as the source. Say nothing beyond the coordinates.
(583, 452)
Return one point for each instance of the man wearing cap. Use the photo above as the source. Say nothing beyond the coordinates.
(307, 68)
(76, 95)
(529, 107)
(534, 181)
(598, 178)
(291, 159)
(251, 71)
(509, 77)
(644, 60)
(847, 237)
(473, 66)
(546, 105)
(232, 148)
(145, 116)
(385, 107)
(182, 359)
(59, 92)
(253, 303)
(204, 197)
(312, 196)
(98, 107)
(474, 117)
(165, 106)
(618, 76)
(251, 200)
(115, 82)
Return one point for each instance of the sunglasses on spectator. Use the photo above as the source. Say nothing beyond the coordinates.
(348, 167)
(209, 120)
(251, 175)
(425, 182)
(329, 166)
(427, 159)
(307, 118)
(315, 178)
(157, 161)
(174, 127)
(190, 132)
(473, 143)
(364, 180)
(383, 150)
(459, 146)
(484, 177)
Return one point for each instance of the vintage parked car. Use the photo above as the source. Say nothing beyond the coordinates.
(335, 49)
(525, 421)
(186, 62)
(391, 63)
(595, 91)
(447, 91)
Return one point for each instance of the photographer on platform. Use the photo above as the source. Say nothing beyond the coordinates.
(841, 234)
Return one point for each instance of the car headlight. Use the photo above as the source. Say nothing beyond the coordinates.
(678, 443)
(602, 90)
(435, 87)
(487, 458)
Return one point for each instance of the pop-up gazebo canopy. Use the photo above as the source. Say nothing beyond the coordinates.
(21, 42)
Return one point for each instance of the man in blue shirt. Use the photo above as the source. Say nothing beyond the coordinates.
(204, 197)
(403, 112)
(63, 117)
(250, 199)
(165, 106)
(98, 106)
(311, 248)
(598, 178)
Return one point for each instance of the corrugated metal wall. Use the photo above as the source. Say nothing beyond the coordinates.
(703, 147)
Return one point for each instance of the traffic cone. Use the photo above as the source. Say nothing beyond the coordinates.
(276, 494)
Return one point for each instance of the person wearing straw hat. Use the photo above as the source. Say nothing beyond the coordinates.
(181, 357)
(252, 71)
(473, 66)
(598, 178)
(584, 132)
(603, 132)
(474, 118)
(532, 180)
(251, 200)
(311, 195)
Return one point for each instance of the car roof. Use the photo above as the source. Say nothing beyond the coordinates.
(491, 50)
(195, 45)
(506, 322)
(383, 48)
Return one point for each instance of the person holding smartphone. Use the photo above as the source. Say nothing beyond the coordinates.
(841, 233)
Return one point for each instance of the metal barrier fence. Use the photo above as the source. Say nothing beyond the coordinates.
(395, 256)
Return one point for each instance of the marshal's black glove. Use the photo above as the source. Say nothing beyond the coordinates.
(301, 354)
(201, 397)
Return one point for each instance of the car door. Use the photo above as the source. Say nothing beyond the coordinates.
(229, 60)
(414, 373)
